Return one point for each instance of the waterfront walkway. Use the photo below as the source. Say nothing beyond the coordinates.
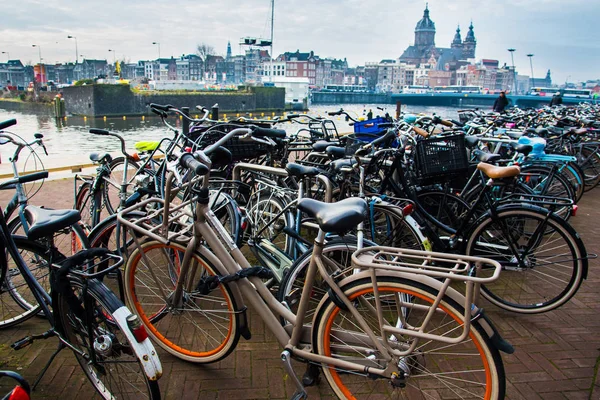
(556, 357)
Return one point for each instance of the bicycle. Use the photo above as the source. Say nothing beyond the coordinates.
(400, 311)
(108, 341)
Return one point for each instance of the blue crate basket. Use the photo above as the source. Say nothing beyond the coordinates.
(370, 125)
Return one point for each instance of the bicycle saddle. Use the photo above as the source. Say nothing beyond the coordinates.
(96, 157)
(336, 152)
(577, 131)
(337, 165)
(335, 217)
(494, 172)
(146, 146)
(45, 222)
(301, 171)
(321, 145)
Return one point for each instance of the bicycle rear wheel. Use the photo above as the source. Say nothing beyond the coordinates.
(469, 369)
(204, 327)
(116, 371)
(543, 259)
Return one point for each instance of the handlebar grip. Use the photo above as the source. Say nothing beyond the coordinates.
(268, 132)
(161, 107)
(187, 160)
(334, 113)
(421, 132)
(445, 123)
(7, 123)
(290, 116)
(159, 112)
(36, 176)
(102, 132)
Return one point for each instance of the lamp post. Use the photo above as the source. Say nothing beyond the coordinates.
(76, 51)
(531, 65)
(8, 55)
(158, 44)
(512, 57)
(41, 66)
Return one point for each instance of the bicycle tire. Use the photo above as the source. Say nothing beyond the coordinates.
(517, 289)
(589, 161)
(88, 206)
(112, 186)
(160, 319)
(17, 303)
(479, 368)
(338, 250)
(107, 369)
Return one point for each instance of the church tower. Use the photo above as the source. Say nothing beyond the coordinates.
(228, 57)
(425, 31)
(457, 42)
(470, 43)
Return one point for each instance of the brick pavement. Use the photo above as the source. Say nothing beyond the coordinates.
(557, 353)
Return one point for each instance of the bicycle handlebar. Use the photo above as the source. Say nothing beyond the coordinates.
(187, 160)
(7, 123)
(268, 132)
(104, 132)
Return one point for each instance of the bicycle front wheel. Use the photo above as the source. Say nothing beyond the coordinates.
(115, 371)
(198, 327)
(469, 369)
(543, 259)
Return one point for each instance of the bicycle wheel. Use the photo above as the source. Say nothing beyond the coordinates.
(337, 253)
(589, 161)
(203, 328)
(17, 302)
(265, 214)
(116, 372)
(546, 182)
(447, 208)
(112, 185)
(387, 226)
(470, 369)
(543, 259)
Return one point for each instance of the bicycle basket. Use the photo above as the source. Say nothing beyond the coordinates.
(241, 150)
(441, 156)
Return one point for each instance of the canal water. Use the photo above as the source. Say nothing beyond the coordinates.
(68, 141)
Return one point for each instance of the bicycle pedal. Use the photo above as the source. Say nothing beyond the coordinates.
(22, 343)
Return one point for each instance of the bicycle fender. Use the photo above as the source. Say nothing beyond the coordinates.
(476, 312)
(144, 350)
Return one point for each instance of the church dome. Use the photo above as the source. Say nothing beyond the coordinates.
(470, 35)
(457, 38)
(425, 24)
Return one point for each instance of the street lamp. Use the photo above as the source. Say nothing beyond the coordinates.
(512, 52)
(39, 51)
(76, 51)
(7, 54)
(531, 65)
(158, 44)
(114, 52)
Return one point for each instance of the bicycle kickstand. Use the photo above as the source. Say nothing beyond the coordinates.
(300, 393)
(61, 346)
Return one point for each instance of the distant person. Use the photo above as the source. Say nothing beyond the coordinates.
(370, 114)
(556, 100)
(501, 103)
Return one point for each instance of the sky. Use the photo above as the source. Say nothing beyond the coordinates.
(561, 34)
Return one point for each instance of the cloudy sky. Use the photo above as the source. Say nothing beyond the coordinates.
(562, 34)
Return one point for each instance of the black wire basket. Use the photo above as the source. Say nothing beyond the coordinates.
(444, 156)
(241, 149)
